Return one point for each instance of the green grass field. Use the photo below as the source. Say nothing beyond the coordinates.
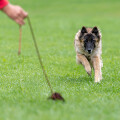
(23, 89)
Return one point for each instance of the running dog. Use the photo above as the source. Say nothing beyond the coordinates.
(88, 46)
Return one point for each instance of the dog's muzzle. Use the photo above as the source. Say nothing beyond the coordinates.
(89, 51)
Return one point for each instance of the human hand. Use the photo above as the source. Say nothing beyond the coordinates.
(16, 13)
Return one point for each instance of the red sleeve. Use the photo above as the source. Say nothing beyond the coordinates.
(3, 3)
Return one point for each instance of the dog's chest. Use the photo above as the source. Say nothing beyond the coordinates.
(88, 58)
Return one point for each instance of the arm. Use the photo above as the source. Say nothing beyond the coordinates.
(16, 13)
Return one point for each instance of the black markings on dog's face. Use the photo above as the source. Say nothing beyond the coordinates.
(89, 38)
(89, 43)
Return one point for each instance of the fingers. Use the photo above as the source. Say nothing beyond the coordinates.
(21, 16)
(20, 21)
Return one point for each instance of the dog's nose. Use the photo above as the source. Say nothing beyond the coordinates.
(89, 51)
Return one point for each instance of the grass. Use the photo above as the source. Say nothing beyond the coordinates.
(23, 89)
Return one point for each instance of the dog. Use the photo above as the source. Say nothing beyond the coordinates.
(88, 47)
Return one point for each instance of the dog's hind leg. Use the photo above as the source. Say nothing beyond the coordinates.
(83, 60)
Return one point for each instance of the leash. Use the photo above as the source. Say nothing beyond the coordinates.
(55, 95)
(20, 37)
(39, 57)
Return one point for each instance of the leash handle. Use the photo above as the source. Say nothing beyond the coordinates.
(39, 57)
(20, 37)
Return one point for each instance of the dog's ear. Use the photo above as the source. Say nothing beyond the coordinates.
(95, 30)
(83, 30)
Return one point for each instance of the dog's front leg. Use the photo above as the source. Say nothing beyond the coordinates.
(83, 60)
(97, 69)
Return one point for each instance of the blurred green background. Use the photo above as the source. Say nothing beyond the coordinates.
(23, 89)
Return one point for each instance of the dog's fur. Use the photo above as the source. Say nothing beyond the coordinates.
(88, 46)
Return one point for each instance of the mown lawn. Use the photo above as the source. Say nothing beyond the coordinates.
(23, 89)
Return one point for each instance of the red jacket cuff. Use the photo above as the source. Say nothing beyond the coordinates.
(3, 3)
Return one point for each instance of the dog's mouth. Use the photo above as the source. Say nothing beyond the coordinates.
(88, 51)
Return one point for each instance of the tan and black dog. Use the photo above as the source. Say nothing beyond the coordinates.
(88, 46)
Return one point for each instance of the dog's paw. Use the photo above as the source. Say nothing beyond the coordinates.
(88, 70)
(89, 73)
(97, 80)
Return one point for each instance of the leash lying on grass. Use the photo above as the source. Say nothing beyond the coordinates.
(54, 96)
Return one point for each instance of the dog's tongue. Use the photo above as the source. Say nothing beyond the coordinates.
(56, 96)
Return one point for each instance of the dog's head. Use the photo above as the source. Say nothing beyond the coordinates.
(89, 38)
